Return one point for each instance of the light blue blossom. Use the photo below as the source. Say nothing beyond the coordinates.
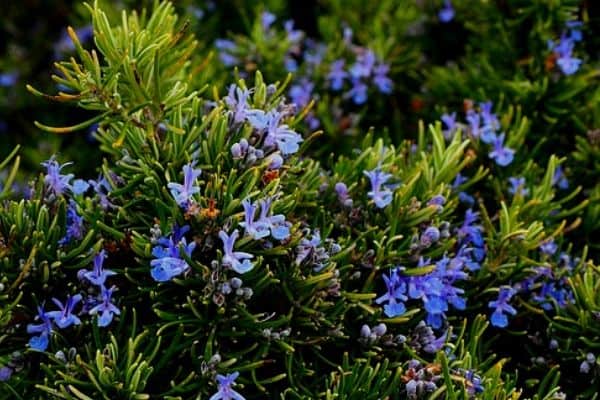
(65, 317)
(183, 193)
(277, 134)
(98, 275)
(225, 390)
(168, 262)
(446, 14)
(381, 197)
(501, 307)
(57, 183)
(502, 155)
(44, 329)
(237, 101)
(105, 308)
(337, 74)
(239, 261)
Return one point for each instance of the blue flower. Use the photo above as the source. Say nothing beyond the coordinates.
(44, 329)
(98, 275)
(559, 179)
(563, 51)
(381, 80)
(80, 186)
(430, 236)
(364, 64)
(293, 35)
(342, 192)
(106, 308)
(450, 121)
(267, 19)
(549, 247)
(65, 317)
(503, 156)
(237, 101)
(169, 261)
(517, 186)
(394, 295)
(239, 261)
(279, 135)
(301, 93)
(226, 47)
(474, 121)
(446, 14)
(9, 79)
(358, 92)
(5, 373)
(380, 197)
(183, 193)
(225, 392)
(102, 188)
(337, 74)
(266, 225)
(55, 181)
(75, 228)
(501, 307)
(473, 383)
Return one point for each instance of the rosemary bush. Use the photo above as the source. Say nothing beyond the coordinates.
(345, 211)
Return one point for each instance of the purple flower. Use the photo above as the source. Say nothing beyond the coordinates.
(183, 193)
(267, 19)
(311, 251)
(358, 92)
(564, 54)
(517, 186)
(102, 188)
(342, 193)
(301, 93)
(364, 64)
(274, 225)
(549, 247)
(381, 80)
(65, 317)
(226, 47)
(474, 121)
(98, 275)
(5, 373)
(239, 261)
(446, 14)
(80, 187)
(430, 236)
(394, 295)
(501, 307)
(337, 74)
(380, 197)
(237, 101)
(503, 156)
(473, 383)
(279, 135)
(44, 329)
(9, 79)
(450, 121)
(575, 30)
(293, 35)
(55, 181)
(168, 261)
(225, 392)
(437, 201)
(106, 308)
(559, 178)
(75, 228)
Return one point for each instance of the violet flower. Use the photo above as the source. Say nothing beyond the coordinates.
(381, 197)
(65, 317)
(225, 391)
(183, 193)
(105, 308)
(98, 275)
(55, 181)
(44, 329)
(239, 261)
(501, 307)
(503, 156)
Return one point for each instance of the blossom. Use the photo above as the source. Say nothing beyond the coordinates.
(168, 261)
(517, 186)
(106, 308)
(75, 228)
(380, 78)
(364, 64)
(9, 79)
(301, 93)
(239, 261)
(237, 101)
(380, 197)
(358, 92)
(446, 14)
(337, 74)
(54, 180)
(450, 121)
(102, 188)
(501, 155)
(225, 392)
(342, 192)
(274, 225)
(394, 295)
(279, 135)
(474, 121)
(98, 275)
(559, 179)
(549, 247)
(293, 35)
(267, 19)
(5, 373)
(257, 230)
(183, 193)
(430, 236)
(501, 307)
(226, 47)
(65, 317)
(563, 51)
(44, 329)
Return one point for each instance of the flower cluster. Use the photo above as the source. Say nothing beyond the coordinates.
(169, 260)
(482, 125)
(562, 51)
(103, 305)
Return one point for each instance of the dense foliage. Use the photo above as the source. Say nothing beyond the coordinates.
(376, 200)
